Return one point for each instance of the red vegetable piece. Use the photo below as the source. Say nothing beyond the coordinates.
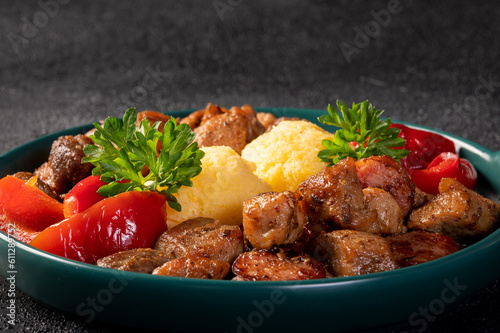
(446, 165)
(423, 146)
(83, 195)
(126, 221)
(25, 210)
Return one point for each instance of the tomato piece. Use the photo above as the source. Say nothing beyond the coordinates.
(445, 165)
(423, 146)
(83, 195)
(129, 220)
(25, 210)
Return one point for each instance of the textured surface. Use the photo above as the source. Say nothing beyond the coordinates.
(433, 64)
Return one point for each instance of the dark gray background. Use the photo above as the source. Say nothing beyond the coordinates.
(433, 64)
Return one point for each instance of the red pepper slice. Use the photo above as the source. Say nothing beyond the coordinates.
(126, 221)
(423, 146)
(83, 195)
(445, 165)
(25, 210)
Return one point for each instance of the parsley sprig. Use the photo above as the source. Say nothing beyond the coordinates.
(361, 134)
(122, 150)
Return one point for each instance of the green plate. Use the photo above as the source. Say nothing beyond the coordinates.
(409, 295)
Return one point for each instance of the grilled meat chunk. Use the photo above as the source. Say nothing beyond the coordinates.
(198, 268)
(418, 246)
(254, 126)
(386, 173)
(457, 212)
(266, 119)
(204, 238)
(276, 265)
(350, 252)
(135, 260)
(221, 127)
(389, 214)
(272, 218)
(335, 196)
(226, 129)
(64, 168)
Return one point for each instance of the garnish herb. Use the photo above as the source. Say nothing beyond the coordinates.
(361, 134)
(122, 150)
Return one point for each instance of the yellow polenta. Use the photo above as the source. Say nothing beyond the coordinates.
(287, 155)
(220, 189)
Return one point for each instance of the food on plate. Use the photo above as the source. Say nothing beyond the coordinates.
(142, 157)
(287, 154)
(197, 267)
(273, 218)
(418, 246)
(352, 252)
(457, 212)
(431, 158)
(276, 265)
(283, 209)
(216, 126)
(139, 260)
(126, 221)
(202, 237)
(360, 134)
(25, 209)
(219, 190)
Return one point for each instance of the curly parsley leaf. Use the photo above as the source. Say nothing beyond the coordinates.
(361, 134)
(142, 158)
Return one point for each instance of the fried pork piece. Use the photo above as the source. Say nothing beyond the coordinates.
(335, 196)
(418, 246)
(350, 252)
(216, 126)
(266, 119)
(457, 212)
(386, 173)
(198, 268)
(254, 127)
(421, 198)
(152, 117)
(227, 129)
(64, 168)
(276, 265)
(272, 218)
(204, 238)
(141, 260)
(389, 214)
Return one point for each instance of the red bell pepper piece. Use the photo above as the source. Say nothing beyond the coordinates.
(126, 221)
(423, 146)
(25, 209)
(83, 195)
(445, 165)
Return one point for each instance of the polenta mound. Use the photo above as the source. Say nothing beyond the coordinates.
(220, 189)
(287, 155)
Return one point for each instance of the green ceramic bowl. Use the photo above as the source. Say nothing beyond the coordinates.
(410, 295)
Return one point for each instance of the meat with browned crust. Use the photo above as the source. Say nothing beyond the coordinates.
(351, 252)
(457, 211)
(418, 246)
(202, 237)
(272, 218)
(198, 268)
(64, 168)
(335, 196)
(276, 265)
(142, 260)
(386, 173)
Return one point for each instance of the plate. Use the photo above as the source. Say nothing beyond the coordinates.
(408, 296)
